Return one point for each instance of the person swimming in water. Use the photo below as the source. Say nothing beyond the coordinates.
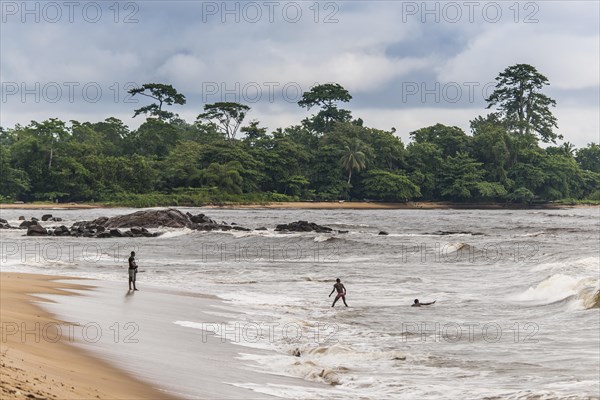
(341, 292)
(417, 304)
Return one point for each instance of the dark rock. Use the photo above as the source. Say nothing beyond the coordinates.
(212, 227)
(27, 224)
(103, 235)
(3, 221)
(36, 230)
(116, 233)
(241, 228)
(56, 219)
(139, 221)
(101, 221)
(342, 231)
(21, 218)
(61, 230)
(262, 228)
(383, 233)
(170, 218)
(303, 226)
(444, 233)
(201, 219)
(5, 226)
(34, 219)
(46, 217)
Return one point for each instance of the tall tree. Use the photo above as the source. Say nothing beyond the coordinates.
(163, 94)
(519, 99)
(228, 116)
(326, 96)
(50, 132)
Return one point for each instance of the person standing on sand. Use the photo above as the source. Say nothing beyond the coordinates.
(417, 304)
(132, 270)
(341, 292)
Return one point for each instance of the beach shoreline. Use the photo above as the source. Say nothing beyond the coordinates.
(119, 344)
(38, 362)
(313, 205)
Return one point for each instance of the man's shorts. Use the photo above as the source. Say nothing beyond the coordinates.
(132, 274)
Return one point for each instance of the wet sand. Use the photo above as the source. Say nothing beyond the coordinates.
(38, 362)
(117, 334)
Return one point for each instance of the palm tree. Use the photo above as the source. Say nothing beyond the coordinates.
(353, 158)
(568, 148)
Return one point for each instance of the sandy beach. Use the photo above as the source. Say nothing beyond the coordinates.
(124, 347)
(35, 366)
(316, 205)
(49, 206)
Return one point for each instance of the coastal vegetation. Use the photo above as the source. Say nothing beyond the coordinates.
(328, 156)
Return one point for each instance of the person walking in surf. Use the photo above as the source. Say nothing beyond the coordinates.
(341, 292)
(132, 270)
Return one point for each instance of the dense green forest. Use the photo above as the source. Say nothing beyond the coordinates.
(330, 155)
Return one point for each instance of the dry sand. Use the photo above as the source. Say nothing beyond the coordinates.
(316, 205)
(49, 206)
(33, 367)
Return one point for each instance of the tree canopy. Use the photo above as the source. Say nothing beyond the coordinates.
(163, 94)
(326, 157)
(519, 99)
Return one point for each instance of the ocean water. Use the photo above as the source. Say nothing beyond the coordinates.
(513, 291)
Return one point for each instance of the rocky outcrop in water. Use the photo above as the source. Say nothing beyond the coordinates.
(137, 222)
(170, 218)
(303, 226)
(27, 224)
(36, 230)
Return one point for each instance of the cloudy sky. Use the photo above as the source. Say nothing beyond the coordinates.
(406, 64)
